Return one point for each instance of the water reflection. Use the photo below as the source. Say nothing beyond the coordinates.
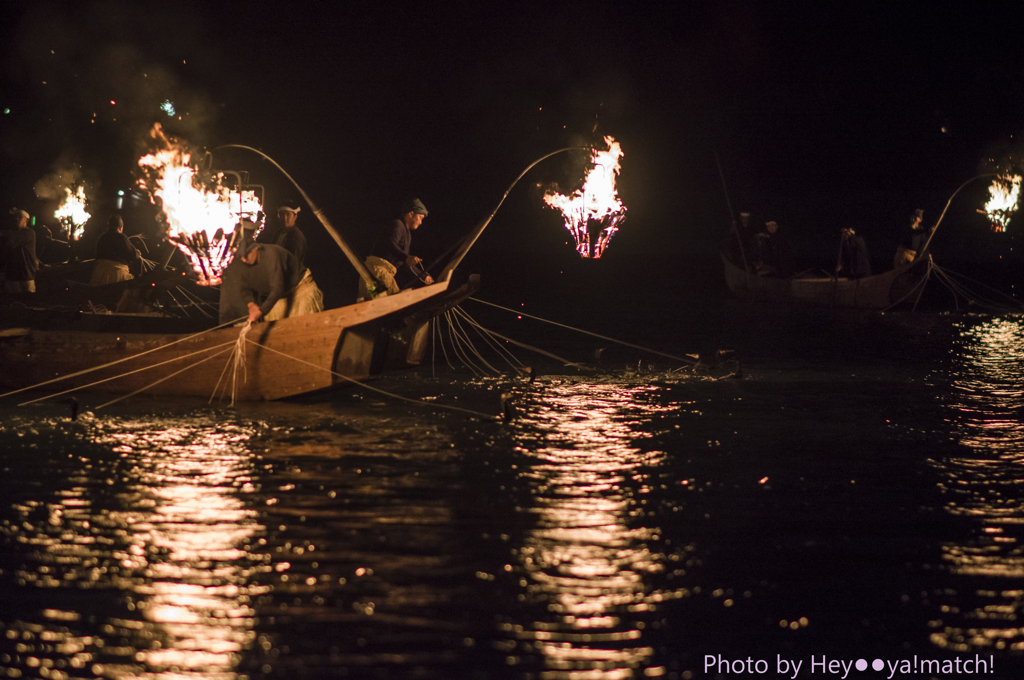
(163, 522)
(982, 487)
(587, 562)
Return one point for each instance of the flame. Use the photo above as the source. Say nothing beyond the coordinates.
(201, 213)
(1002, 203)
(597, 200)
(71, 212)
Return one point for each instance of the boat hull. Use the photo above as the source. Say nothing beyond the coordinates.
(282, 359)
(882, 291)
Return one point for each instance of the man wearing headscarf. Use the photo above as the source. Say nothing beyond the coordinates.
(391, 252)
(267, 271)
(114, 254)
(18, 261)
(287, 235)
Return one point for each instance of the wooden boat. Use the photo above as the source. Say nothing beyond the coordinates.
(282, 358)
(902, 285)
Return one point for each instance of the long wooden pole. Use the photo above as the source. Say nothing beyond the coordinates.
(361, 269)
(471, 239)
(926, 243)
(732, 215)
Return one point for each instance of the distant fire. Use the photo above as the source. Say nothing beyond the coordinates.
(596, 202)
(71, 212)
(201, 212)
(1002, 203)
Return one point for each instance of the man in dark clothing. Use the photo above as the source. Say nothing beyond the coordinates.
(854, 262)
(114, 254)
(18, 261)
(391, 251)
(913, 240)
(287, 235)
(773, 256)
(270, 271)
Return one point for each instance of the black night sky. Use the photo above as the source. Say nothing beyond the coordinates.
(823, 115)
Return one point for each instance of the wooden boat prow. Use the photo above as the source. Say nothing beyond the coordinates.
(285, 358)
(900, 285)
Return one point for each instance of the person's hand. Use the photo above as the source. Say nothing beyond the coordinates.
(428, 280)
(412, 260)
(254, 312)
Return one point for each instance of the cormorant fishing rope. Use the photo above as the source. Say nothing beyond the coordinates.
(486, 335)
(118, 361)
(239, 355)
(918, 288)
(419, 402)
(955, 287)
(685, 360)
(457, 346)
(469, 342)
(122, 375)
(157, 382)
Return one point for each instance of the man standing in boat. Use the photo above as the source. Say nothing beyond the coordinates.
(18, 262)
(913, 240)
(391, 252)
(271, 272)
(114, 255)
(287, 235)
(854, 262)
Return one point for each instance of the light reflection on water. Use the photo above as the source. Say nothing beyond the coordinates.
(589, 557)
(169, 532)
(982, 487)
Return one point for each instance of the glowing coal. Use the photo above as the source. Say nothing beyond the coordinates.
(595, 203)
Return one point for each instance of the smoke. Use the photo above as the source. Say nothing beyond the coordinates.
(93, 78)
(68, 174)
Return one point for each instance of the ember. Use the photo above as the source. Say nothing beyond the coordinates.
(1002, 203)
(72, 214)
(596, 202)
(200, 209)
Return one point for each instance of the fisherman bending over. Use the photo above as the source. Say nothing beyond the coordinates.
(18, 262)
(114, 254)
(263, 269)
(391, 250)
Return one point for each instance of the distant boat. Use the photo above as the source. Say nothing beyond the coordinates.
(290, 357)
(902, 285)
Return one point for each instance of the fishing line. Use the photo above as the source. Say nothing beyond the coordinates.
(113, 363)
(685, 360)
(378, 390)
(157, 382)
(122, 375)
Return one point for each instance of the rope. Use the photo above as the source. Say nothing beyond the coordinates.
(122, 375)
(157, 382)
(239, 355)
(469, 342)
(375, 389)
(113, 363)
(918, 287)
(958, 288)
(485, 334)
(685, 360)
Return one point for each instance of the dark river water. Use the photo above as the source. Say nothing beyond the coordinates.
(850, 502)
